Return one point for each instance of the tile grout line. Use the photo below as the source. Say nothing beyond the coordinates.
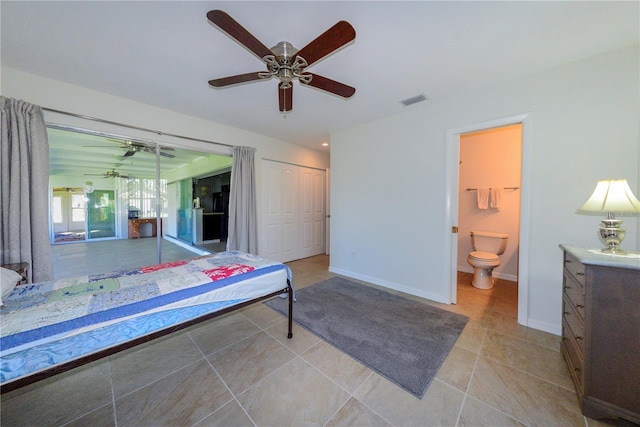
(466, 394)
(233, 396)
(475, 364)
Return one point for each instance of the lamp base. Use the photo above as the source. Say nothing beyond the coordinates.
(611, 235)
(613, 251)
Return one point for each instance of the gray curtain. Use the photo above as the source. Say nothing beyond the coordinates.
(24, 188)
(243, 228)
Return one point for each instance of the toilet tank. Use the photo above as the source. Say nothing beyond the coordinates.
(487, 241)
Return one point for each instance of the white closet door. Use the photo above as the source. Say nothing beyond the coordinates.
(294, 211)
(289, 213)
(272, 200)
(312, 211)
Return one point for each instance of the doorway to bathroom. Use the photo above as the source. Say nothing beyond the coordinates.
(489, 171)
(490, 159)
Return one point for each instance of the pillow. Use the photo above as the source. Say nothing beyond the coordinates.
(8, 280)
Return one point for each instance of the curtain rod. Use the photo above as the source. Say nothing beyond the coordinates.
(81, 116)
(293, 164)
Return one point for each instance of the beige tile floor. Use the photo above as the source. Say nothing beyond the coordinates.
(240, 370)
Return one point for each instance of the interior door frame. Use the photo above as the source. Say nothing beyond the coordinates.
(327, 208)
(452, 192)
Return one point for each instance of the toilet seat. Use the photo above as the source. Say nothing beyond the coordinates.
(484, 256)
(483, 263)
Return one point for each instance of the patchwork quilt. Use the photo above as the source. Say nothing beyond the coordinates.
(37, 311)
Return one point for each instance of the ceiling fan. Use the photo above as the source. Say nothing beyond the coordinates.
(284, 61)
(134, 147)
(109, 174)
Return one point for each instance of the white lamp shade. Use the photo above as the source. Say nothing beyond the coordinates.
(611, 196)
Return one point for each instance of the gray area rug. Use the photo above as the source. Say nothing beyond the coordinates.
(403, 340)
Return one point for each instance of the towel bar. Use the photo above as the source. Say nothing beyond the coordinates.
(506, 188)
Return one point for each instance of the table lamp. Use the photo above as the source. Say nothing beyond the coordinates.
(612, 197)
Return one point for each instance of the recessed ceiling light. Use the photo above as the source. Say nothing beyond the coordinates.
(413, 100)
(325, 144)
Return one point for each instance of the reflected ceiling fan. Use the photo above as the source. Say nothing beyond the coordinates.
(284, 61)
(134, 147)
(109, 174)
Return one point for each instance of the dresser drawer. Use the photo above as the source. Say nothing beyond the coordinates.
(574, 359)
(574, 291)
(575, 268)
(575, 325)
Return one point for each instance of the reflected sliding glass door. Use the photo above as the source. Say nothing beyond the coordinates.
(185, 206)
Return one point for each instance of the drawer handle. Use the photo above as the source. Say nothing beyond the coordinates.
(580, 306)
(566, 313)
(579, 338)
(567, 261)
(579, 273)
(567, 287)
(577, 369)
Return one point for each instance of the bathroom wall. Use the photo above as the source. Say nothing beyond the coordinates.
(490, 158)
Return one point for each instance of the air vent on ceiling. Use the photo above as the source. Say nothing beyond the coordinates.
(413, 100)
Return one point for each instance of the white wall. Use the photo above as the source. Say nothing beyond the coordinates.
(66, 97)
(389, 203)
(488, 159)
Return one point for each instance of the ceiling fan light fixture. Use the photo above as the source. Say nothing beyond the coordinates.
(286, 75)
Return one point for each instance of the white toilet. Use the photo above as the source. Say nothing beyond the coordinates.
(484, 258)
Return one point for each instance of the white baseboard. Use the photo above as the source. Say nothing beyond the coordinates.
(178, 242)
(386, 284)
(496, 274)
(545, 327)
(554, 329)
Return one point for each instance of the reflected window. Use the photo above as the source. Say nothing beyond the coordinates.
(57, 210)
(77, 207)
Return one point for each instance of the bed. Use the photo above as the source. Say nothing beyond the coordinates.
(51, 327)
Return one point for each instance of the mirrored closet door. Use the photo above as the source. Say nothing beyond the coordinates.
(119, 203)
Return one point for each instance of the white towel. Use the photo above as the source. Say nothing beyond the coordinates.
(496, 198)
(483, 198)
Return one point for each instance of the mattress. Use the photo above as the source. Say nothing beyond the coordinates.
(50, 323)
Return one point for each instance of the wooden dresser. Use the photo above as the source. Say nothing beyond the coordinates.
(601, 331)
(134, 227)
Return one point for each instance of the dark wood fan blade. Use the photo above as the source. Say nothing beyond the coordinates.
(234, 80)
(332, 86)
(129, 153)
(236, 31)
(332, 39)
(171, 156)
(285, 98)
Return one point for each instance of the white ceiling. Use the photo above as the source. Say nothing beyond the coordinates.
(90, 157)
(163, 53)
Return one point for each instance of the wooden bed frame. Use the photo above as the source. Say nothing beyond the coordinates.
(64, 367)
